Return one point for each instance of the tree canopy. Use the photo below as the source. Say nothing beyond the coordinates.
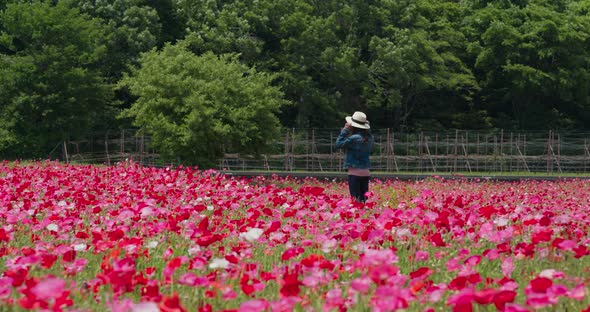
(411, 65)
(51, 80)
(195, 106)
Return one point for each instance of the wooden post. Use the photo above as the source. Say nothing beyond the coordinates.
(381, 147)
(511, 152)
(552, 154)
(524, 145)
(339, 155)
(387, 152)
(436, 146)
(587, 153)
(141, 149)
(455, 153)
(429, 156)
(393, 151)
(447, 152)
(331, 150)
(485, 153)
(549, 143)
(307, 150)
(419, 148)
(390, 151)
(477, 153)
(463, 144)
(106, 147)
(407, 151)
(559, 151)
(496, 153)
(466, 148)
(521, 155)
(526, 166)
(66, 152)
(122, 142)
(314, 151)
(292, 149)
(286, 150)
(502, 150)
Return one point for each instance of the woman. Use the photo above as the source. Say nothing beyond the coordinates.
(357, 141)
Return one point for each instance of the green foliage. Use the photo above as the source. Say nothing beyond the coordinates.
(533, 61)
(222, 26)
(195, 106)
(132, 26)
(51, 85)
(410, 64)
(417, 64)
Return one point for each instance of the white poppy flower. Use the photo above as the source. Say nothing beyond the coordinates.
(80, 247)
(145, 307)
(252, 234)
(218, 263)
(52, 227)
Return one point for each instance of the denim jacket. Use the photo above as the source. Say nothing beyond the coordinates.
(357, 150)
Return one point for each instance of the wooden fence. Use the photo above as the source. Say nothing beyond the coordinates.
(313, 150)
(456, 151)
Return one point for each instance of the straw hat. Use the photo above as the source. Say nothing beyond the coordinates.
(358, 120)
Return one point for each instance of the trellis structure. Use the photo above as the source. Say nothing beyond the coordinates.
(456, 151)
(313, 150)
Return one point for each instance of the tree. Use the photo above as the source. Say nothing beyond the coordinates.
(196, 106)
(320, 62)
(310, 44)
(51, 86)
(173, 28)
(133, 27)
(222, 26)
(417, 69)
(533, 63)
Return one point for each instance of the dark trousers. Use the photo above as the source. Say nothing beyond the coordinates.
(358, 186)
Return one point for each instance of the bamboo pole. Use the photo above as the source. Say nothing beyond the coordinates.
(292, 158)
(430, 156)
(106, 147)
(307, 150)
(549, 143)
(502, 150)
(122, 147)
(331, 150)
(381, 148)
(66, 152)
(447, 153)
(455, 152)
(419, 148)
(511, 151)
(585, 154)
(436, 146)
(393, 151)
(463, 144)
(286, 148)
(477, 152)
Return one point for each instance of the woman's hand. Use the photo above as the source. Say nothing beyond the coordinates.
(347, 126)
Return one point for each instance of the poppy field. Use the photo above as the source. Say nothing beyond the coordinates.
(128, 238)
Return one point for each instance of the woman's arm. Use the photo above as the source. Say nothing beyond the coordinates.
(343, 138)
